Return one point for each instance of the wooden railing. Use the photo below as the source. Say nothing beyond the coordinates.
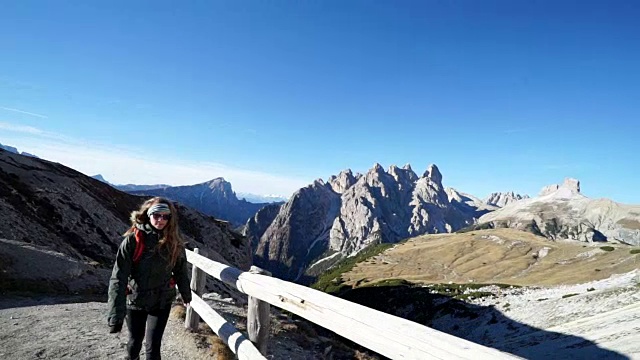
(388, 335)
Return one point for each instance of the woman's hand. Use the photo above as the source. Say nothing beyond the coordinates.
(116, 328)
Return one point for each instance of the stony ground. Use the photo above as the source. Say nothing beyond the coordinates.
(594, 320)
(62, 328)
(601, 323)
(72, 328)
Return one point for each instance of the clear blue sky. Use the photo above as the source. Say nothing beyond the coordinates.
(501, 95)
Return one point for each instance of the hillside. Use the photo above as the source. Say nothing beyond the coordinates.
(61, 229)
(496, 256)
(511, 290)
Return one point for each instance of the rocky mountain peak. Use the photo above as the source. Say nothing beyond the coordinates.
(214, 197)
(501, 199)
(100, 178)
(318, 183)
(342, 182)
(407, 166)
(403, 175)
(323, 223)
(572, 184)
(569, 187)
(216, 183)
(434, 174)
(221, 187)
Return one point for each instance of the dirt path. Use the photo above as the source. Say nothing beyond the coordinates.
(59, 328)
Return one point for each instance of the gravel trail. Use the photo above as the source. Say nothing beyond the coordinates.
(63, 328)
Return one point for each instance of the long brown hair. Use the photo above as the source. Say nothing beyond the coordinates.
(171, 238)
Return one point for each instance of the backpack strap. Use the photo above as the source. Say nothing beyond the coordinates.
(137, 254)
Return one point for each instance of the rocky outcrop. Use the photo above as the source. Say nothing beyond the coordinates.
(501, 199)
(325, 222)
(214, 197)
(562, 212)
(569, 186)
(56, 209)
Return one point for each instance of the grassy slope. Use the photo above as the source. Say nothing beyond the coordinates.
(493, 256)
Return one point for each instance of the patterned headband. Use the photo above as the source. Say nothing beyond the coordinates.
(159, 208)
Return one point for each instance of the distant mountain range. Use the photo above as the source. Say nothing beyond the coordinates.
(14, 150)
(562, 212)
(329, 221)
(215, 197)
(261, 199)
(130, 187)
(252, 198)
(502, 199)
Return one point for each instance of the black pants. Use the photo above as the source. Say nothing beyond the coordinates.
(154, 322)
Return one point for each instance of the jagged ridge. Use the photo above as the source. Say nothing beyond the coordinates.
(327, 221)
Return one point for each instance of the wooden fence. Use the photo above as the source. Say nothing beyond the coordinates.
(388, 335)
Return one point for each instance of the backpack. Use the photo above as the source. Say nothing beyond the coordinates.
(137, 254)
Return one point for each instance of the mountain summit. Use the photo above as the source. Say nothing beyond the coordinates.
(561, 211)
(214, 197)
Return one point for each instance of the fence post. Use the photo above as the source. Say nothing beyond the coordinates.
(258, 319)
(198, 281)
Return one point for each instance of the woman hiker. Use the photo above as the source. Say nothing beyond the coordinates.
(151, 260)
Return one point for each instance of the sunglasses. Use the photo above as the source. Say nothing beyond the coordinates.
(158, 216)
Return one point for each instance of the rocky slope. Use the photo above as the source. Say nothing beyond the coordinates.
(214, 197)
(327, 221)
(562, 212)
(54, 215)
(511, 290)
(260, 222)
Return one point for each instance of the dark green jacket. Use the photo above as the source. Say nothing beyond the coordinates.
(148, 279)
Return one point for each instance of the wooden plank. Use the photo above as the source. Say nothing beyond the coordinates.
(385, 334)
(237, 342)
(198, 279)
(259, 317)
